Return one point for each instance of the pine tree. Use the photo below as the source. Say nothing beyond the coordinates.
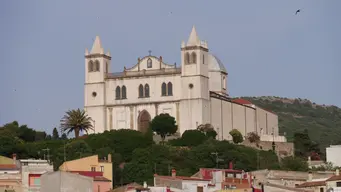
(55, 134)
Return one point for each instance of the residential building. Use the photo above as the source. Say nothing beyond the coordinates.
(10, 176)
(332, 183)
(91, 163)
(185, 183)
(100, 184)
(31, 170)
(285, 178)
(61, 181)
(333, 155)
(191, 93)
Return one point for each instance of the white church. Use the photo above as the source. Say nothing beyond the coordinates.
(194, 93)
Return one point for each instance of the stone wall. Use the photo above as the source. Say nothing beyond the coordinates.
(283, 149)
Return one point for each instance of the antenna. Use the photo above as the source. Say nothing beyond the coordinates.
(48, 154)
(217, 159)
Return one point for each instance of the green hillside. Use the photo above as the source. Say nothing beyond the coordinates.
(322, 122)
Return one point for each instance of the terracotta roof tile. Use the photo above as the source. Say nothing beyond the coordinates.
(182, 178)
(311, 184)
(89, 173)
(8, 166)
(334, 178)
(100, 178)
(242, 101)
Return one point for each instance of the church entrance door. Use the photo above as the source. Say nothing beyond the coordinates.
(143, 121)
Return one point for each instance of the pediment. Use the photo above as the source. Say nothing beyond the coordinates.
(150, 63)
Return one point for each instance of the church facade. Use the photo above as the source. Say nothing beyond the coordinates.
(194, 93)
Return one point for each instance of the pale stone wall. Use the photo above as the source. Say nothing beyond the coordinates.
(226, 115)
(267, 122)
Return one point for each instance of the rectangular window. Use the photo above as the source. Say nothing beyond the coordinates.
(338, 184)
(36, 181)
(102, 168)
(321, 189)
(93, 169)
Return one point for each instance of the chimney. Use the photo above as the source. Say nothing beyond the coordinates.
(337, 172)
(310, 176)
(173, 173)
(14, 156)
(230, 165)
(109, 158)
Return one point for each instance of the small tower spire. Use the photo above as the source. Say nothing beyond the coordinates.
(193, 39)
(97, 46)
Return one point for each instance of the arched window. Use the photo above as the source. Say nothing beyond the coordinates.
(203, 59)
(163, 89)
(149, 63)
(90, 66)
(96, 65)
(187, 61)
(106, 67)
(124, 92)
(170, 88)
(146, 90)
(141, 90)
(118, 92)
(193, 58)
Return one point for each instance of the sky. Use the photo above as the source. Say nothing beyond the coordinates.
(266, 48)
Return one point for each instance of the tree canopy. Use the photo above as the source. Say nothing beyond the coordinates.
(133, 151)
(164, 125)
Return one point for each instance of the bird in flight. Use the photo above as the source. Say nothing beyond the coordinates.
(299, 10)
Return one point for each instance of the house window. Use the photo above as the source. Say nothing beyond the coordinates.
(149, 63)
(163, 89)
(102, 168)
(124, 92)
(93, 169)
(193, 58)
(96, 65)
(338, 184)
(146, 90)
(118, 92)
(140, 91)
(321, 189)
(90, 66)
(187, 61)
(169, 89)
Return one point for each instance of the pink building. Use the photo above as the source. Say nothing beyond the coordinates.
(100, 184)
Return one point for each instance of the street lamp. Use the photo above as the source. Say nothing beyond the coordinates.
(94, 122)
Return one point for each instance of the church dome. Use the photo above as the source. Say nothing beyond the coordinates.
(215, 64)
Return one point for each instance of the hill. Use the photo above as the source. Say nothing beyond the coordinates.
(295, 115)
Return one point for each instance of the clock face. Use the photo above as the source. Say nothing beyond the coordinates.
(94, 94)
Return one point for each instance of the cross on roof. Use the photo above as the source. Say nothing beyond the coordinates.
(150, 52)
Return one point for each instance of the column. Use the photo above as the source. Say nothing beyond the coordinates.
(110, 118)
(131, 109)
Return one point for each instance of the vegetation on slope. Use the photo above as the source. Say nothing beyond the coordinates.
(136, 157)
(296, 115)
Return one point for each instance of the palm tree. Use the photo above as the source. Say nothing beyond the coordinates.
(76, 121)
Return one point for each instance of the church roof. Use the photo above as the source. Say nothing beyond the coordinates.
(215, 64)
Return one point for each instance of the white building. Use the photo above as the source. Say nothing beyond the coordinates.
(31, 170)
(194, 93)
(333, 155)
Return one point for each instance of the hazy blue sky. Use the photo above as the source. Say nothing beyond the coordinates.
(266, 48)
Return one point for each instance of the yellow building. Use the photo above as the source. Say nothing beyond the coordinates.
(91, 163)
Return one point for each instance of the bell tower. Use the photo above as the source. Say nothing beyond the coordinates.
(194, 104)
(97, 65)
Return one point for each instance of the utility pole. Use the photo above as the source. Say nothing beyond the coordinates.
(154, 168)
(48, 154)
(217, 159)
